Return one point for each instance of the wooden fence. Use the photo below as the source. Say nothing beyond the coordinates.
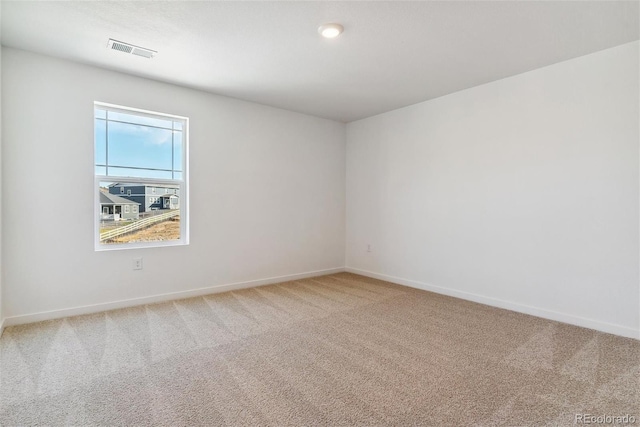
(138, 225)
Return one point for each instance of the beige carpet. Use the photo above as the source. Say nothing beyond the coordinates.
(334, 350)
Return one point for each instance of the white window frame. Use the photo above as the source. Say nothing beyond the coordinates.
(182, 184)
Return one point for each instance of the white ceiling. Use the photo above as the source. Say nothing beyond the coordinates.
(392, 54)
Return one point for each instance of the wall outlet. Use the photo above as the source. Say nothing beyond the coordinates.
(137, 263)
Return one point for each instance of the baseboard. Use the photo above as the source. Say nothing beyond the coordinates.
(97, 308)
(520, 308)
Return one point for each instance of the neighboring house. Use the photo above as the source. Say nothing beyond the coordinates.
(150, 197)
(116, 207)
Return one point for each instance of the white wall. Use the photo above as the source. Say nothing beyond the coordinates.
(267, 190)
(1, 269)
(522, 193)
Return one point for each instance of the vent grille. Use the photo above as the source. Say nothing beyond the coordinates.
(129, 48)
(143, 52)
(121, 47)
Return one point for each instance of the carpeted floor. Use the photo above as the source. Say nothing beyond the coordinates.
(334, 350)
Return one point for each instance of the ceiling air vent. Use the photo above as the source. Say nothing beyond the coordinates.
(129, 48)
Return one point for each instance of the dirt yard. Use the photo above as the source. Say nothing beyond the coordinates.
(167, 230)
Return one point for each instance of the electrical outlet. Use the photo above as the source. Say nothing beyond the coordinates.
(137, 263)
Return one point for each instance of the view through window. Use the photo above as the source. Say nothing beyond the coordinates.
(140, 175)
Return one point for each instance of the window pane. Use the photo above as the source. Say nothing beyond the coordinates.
(177, 150)
(100, 113)
(177, 175)
(177, 125)
(100, 137)
(139, 146)
(140, 120)
(128, 218)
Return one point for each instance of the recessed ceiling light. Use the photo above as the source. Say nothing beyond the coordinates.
(330, 31)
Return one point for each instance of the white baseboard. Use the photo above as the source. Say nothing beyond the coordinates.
(97, 308)
(520, 308)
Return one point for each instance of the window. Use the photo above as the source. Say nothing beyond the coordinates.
(141, 149)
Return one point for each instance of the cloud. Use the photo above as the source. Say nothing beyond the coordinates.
(141, 133)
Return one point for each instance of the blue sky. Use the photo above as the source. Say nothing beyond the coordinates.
(137, 144)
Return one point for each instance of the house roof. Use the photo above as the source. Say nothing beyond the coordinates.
(122, 184)
(112, 199)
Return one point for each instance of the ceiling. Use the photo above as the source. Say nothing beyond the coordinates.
(391, 54)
